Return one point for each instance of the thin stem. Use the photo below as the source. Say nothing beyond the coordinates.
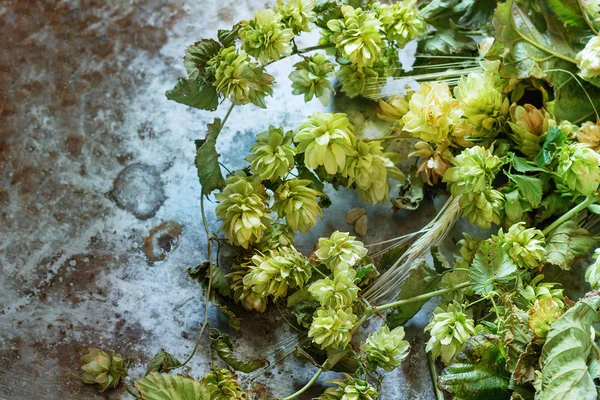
(425, 296)
(130, 391)
(226, 116)
(570, 214)
(305, 388)
(587, 18)
(434, 377)
(317, 47)
(390, 137)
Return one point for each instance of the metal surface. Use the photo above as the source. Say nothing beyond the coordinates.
(93, 163)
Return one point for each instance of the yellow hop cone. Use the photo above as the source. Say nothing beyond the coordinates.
(265, 37)
(102, 369)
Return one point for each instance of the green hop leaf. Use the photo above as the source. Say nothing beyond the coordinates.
(567, 244)
(492, 267)
(156, 386)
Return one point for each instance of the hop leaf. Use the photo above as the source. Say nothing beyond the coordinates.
(528, 127)
(331, 327)
(157, 386)
(386, 349)
(272, 155)
(297, 202)
(350, 389)
(450, 328)
(340, 250)
(310, 78)
(592, 274)
(297, 14)
(578, 169)
(337, 293)
(274, 273)
(525, 246)
(588, 59)
(357, 35)
(401, 21)
(265, 37)
(102, 369)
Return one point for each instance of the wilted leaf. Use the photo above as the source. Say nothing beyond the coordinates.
(422, 279)
(207, 159)
(197, 55)
(327, 11)
(221, 343)
(197, 93)
(478, 372)
(440, 262)
(567, 244)
(157, 386)
(227, 37)
(491, 268)
(410, 193)
(447, 41)
(162, 362)
(569, 357)
(516, 335)
(527, 365)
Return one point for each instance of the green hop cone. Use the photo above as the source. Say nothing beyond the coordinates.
(265, 37)
(297, 14)
(339, 292)
(239, 79)
(357, 81)
(401, 21)
(529, 126)
(272, 155)
(541, 317)
(485, 107)
(393, 109)
(450, 328)
(592, 274)
(340, 251)
(578, 169)
(357, 35)
(526, 246)
(310, 78)
(453, 278)
(243, 210)
(297, 202)
(331, 327)
(222, 384)
(386, 349)
(537, 290)
(243, 294)
(484, 209)
(275, 272)
(468, 247)
(589, 135)
(433, 113)
(326, 139)
(277, 235)
(588, 59)
(102, 369)
(473, 172)
(349, 389)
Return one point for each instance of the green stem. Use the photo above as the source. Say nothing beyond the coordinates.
(305, 388)
(434, 377)
(226, 116)
(130, 391)
(317, 47)
(425, 296)
(587, 18)
(570, 214)
(390, 137)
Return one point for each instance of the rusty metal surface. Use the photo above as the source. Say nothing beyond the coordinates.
(99, 211)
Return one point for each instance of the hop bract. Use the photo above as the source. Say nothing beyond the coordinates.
(240, 80)
(433, 112)
(272, 155)
(331, 327)
(310, 78)
(275, 272)
(244, 212)
(297, 202)
(277, 235)
(401, 21)
(537, 290)
(578, 169)
(525, 246)
(473, 171)
(326, 139)
(102, 369)
(297, 14)
(350, 389)
(393, 109)
(541, 317)
(357, 35)
(357, 81)
(592, 274)
(588, 59)
(386, 349)
(484, 106)
(337, 293)
(529, 125)
(434, 164)
(222, 384)
(243, 294)
(484, 208)
(450, 328)
(340, 250)
(265, 37)
(589, 135)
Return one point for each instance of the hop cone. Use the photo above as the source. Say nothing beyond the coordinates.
(484, 209)
(274, 273)
(297, 202)
(310, 78)
(350, 389)
(473, 172)
(588, 59)
(450, 328)
(272, 155)
(434, 164)
(357, 35)
(592, 274)
(541, 317)
(386, 349)
(222, 384)
(102, 369)
(243, 294)
(537, 290)
(340, 250)
(240, 80)
(277, 235)
(393, 109)
(525, 246)
(589, 135)
(337, 293)
(401, 21)
(326, 139)
(357, 81)
(578, 169)
(331, 327)
(529, 125)
(297, 14)
(433, 113)
(244, 212)
(265, 37)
